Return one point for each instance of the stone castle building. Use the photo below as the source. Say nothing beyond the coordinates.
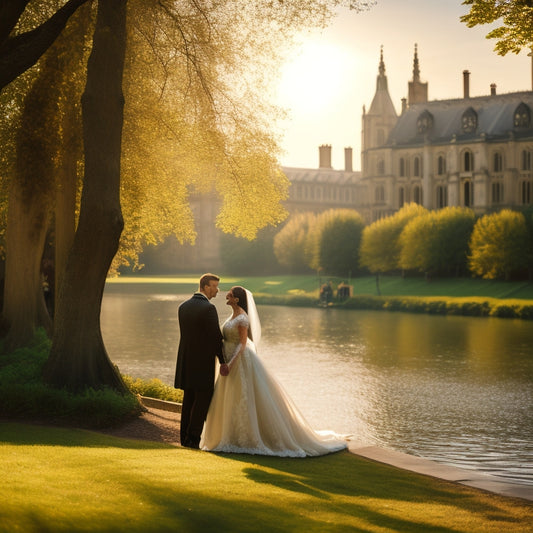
(471, 151)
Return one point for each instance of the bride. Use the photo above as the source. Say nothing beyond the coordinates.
(250, 412)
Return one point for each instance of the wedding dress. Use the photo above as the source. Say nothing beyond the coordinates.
(251, 413)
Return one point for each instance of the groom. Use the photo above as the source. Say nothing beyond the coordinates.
(200, 343)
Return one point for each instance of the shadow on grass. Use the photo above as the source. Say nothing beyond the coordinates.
(45, 435)
(345, 474)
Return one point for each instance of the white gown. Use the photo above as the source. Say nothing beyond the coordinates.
(251, 413)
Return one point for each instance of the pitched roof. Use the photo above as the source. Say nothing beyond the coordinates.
(494, 115)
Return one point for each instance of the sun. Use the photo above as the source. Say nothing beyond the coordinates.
(311, 79)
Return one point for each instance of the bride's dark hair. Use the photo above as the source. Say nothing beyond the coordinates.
(240, 293)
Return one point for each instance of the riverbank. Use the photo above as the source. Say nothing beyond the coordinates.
(452, 296)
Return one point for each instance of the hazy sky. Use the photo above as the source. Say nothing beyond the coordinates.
(328, 80)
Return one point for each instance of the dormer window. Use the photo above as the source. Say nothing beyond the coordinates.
(469, 121)
(424, 122)
(522, 116)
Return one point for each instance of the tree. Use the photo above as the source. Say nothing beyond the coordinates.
(437, 241)
(380, 246)
(21, 51)
(78, 358)
(516, 30)
(44, 176)
(339, 238)
(209, 45)
(498, 244)
(290, 242)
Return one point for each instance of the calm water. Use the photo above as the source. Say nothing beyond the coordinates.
(453, 389)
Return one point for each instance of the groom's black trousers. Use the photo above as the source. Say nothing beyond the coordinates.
(193, 414)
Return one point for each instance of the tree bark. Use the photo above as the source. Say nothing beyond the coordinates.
(24, 307)
(78, 358)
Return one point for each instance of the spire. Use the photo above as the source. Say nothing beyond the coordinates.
(418, 90)
(381, 62)
(381, 82)
(416, 68)
(382, 103)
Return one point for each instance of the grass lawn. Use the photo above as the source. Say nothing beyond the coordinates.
(366, 285)
(65, 480)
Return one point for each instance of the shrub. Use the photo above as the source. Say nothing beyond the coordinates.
(23, 394)
(153, 388)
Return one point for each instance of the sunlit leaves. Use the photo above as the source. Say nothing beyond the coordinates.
(437, 241)
(380, 245)
(499, 245)
(516, 18)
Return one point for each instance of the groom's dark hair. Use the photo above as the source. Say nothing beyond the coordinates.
(206, 279)
(240, 293)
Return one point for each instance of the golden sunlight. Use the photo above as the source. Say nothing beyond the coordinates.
(312, 78)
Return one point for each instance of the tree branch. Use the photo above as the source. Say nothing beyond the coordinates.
(19, 53)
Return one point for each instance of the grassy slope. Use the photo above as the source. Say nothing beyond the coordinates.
(72, 480)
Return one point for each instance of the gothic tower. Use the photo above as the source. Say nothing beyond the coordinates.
(380, 118)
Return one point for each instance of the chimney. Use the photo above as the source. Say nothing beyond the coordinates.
(324, 152)
(348, 157)
(493, 89)
(404, 105)
(466, 84)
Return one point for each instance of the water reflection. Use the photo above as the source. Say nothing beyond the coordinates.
(454, 389)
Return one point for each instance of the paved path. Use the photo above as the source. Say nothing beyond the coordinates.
(450, 473)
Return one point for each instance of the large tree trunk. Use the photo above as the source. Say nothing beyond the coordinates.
(29, 208)
(78, 357)
(24, 306)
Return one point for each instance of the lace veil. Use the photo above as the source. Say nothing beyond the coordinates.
(253, 318)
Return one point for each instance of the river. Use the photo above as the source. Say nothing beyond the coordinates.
(457, 390)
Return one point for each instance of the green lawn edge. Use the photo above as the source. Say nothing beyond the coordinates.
(455, 296)
(68, 480)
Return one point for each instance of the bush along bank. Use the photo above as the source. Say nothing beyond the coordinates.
(434, 305)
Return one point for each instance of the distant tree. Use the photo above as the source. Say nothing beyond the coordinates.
(290, 242)
(436, 242)
(498, 245)
(338, 240)
(516, 30)
(246, 257)
(380, 245)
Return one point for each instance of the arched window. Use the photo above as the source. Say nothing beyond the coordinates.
(522, 116)
(442, 196)
(416, 166)
(525, 192)
(417, 195)
(381, 137)
(401, 197)
(441, 165)
(468, 193)
(380, 194)
(497, 162)
(381, 167)
(497, 192)
(468, 161)
(402, 167)
(469, 121)
(526, 160)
